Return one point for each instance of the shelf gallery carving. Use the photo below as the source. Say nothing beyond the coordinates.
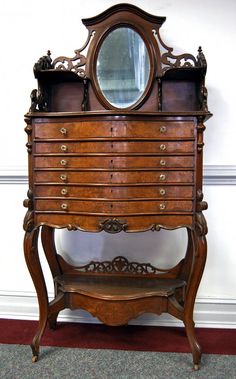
(115, 144)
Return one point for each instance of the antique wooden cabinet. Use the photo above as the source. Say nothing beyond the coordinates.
(115, 144)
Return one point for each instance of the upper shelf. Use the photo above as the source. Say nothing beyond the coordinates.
(124, 64)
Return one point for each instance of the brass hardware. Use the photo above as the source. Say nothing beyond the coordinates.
(162, 177)
(63, 162)
(64, 206)
(162, 207)
(162, 162)
(63, 177)
(162, 192)
(64, 148)
(162, 147)
(163, 129)
(64, 191)
(63, 131)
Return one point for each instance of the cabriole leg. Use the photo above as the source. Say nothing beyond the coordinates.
(199, 252)
(48, 242)
(34, 267)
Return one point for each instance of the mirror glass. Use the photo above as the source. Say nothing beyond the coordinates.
(123, 67)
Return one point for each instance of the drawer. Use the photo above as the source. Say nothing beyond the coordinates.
(109, 207)
(153, 129)
(92, 223)
(113, 177)
(74, 130)
(132, 129)
(115, 147)
(113, 162)
(114, 192)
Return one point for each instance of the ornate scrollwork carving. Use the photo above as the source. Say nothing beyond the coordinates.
(113, 226)
(155, 228)
(72, 227)
(28, 223)
(121, 265)
(74, 64)
(201, 224)
(44, 63)
(201, 205)
(169, 60)
(200, 221)
(39, 101)
(201, 60)
(203, 98)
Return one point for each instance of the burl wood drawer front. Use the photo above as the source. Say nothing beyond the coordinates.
(113, 162)
(99, 129)
(129, 192)
(93, 223)
(109, 207)
(161, 147)
(113, 177)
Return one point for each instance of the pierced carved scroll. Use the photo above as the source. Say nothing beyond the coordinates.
(121, 265)
(76, 63)
(169, 60)
(113, 226)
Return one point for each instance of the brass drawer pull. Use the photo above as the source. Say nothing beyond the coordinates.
(162, 191)
(63, 177)
(64, 148)
(63, 162)
(162, 177)
(163, 129)
(64, 206)
(162, 162)
(162, 147)
(63, 131)
(162, 207)
(64, 191)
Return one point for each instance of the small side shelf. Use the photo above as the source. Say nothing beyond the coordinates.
(117, 287)
(115, 299)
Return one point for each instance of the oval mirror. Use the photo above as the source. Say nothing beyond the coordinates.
(123, 67)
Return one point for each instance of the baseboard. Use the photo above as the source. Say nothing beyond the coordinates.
(209, 312)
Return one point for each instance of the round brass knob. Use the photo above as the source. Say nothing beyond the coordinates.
(162, 191)
(64, 191)
(64, 206)
(162, 162)
(162, 207)
(163, 129)
(63, 162)
(63, 177)
(63, 131)
(64, 148)
(162, 177)
(162, 147)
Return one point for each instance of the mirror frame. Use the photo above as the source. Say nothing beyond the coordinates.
(94, 57)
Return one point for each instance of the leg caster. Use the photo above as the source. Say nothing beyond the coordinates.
(35, 358)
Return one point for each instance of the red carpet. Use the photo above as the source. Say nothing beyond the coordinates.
(95, 336)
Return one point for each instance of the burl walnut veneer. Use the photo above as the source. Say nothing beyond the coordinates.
(115, 144)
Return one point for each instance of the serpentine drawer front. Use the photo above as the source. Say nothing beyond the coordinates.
(115, 145)
(114, 169)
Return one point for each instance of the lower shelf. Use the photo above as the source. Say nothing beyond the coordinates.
(117, 287)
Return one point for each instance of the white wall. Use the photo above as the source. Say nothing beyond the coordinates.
(28, 29)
